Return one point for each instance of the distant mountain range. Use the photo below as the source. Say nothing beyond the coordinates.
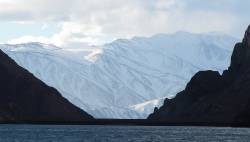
(26, 99)
(126, 78)
(212, 98)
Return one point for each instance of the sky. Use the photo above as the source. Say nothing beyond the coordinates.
(78, 23)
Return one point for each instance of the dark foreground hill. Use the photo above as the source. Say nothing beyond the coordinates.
(24, 98)
(213, 98)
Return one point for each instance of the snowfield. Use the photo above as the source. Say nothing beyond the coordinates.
(128, 77)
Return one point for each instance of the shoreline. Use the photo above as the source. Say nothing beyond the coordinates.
(130, 122)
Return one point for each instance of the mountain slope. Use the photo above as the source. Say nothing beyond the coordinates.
(24, 98)
(126, 78)
(213, 98)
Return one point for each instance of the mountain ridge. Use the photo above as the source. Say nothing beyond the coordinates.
(25, 99)
(125, 78)
(213, 98)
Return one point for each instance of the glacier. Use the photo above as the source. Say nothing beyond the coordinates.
(126, 78)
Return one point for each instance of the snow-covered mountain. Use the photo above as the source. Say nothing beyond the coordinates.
(128, 77)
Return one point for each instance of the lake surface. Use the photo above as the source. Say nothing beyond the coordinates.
(75, 133)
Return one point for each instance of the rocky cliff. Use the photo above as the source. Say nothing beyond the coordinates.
(213, 98)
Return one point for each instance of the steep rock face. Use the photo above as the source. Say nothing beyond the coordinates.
(24, 98)
(213, 98)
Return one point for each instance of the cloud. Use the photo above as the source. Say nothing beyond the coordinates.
(70, 34)
(97, 22)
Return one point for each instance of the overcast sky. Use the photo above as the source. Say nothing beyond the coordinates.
(81, 22)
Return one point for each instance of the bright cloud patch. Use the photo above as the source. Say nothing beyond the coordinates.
(82, 22)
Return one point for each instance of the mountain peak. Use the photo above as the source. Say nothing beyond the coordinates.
(248, 29)
(126, 78)
(246, 39)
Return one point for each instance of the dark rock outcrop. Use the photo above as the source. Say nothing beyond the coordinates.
(24, 98)
(213, 98)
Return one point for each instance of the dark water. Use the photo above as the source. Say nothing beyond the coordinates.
(48, 133)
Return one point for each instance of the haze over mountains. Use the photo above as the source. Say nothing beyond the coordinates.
(125, 78)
